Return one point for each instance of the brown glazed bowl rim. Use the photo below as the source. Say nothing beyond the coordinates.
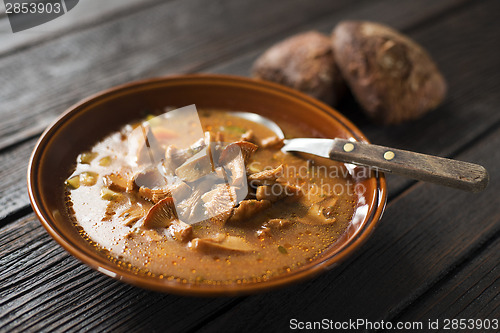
(103, 265)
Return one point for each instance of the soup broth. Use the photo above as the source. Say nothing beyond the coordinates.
(296, 207)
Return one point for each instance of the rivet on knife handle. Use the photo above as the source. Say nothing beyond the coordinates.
(443, 171)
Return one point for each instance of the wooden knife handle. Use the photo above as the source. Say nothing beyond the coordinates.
(438, 170)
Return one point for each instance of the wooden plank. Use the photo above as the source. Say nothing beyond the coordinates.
(179, 35)
(400, 16)
(181, 54)
(43, 288)
(87, 13)
(472, 293)
(13, 191)
(424, 234)
(66, 93)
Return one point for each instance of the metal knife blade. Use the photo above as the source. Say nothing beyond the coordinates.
(319, 147)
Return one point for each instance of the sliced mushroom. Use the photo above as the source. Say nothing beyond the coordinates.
(221, 242)
(272, 142)
(248, 136)
(132, 215)
(180, 191)
(277, 191)
(196, 167)
(154, 195)
(263, 232)
(233, 159)
(111, 209)
(219, 203)
(221, 174)
(247, 209)
(246, 149)
(129, 210)
(272, 193)
(173, 157)
(278, 223)
(180, 231)
(236, 170)
(266, 177)
(190, 209)
(322, 212)
(150, 178)
(161, 215)
(151, 185)
(116, 182)
(179, 156)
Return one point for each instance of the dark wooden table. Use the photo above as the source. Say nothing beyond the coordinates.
(436, 253)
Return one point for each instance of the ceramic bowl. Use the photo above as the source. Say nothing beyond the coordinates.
(90, 120)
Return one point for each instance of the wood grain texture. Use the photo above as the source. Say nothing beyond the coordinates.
(442, 171)
(403, 17)
(471, 293)
(87, 13)
(424, 234)
(13, 190)
(178, 35)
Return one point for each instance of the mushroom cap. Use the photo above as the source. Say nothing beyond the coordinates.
(161, 214)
